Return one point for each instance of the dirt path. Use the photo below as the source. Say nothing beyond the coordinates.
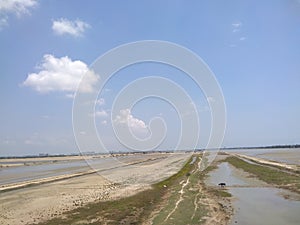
(291, 167)
(184, 184)
(191, 202)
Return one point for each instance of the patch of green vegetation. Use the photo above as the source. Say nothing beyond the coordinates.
(219, 192)
(169, 181)
(268, 174)
(189, 209)
(156, 203)
(130, 210)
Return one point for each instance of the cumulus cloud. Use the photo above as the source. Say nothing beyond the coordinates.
(74, 28)
(15, 7)
(61, 74)
(126, 118)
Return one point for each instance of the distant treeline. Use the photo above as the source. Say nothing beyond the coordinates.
(265, 147)
(146, 152)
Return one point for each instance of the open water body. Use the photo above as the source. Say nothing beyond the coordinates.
(255, 203)
(26, 173)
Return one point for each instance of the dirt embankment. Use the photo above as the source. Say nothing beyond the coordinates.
(291, 167)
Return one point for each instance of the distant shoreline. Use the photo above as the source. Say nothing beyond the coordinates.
(116, 153)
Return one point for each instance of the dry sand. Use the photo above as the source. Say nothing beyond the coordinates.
(283, 165)
(41, 202)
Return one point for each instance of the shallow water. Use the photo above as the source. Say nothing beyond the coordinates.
(264, 206)
(254, 201)
(225, 174)
(10, 175)
(285, 155)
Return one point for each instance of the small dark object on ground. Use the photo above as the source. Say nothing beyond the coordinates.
(222, 184)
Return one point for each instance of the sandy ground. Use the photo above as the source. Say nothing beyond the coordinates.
(12, 162)
(37, 203)
(292, 167)
(288, 156)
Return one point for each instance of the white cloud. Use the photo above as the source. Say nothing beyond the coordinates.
(242, 38)
(211, 99)
(61, 74)
(74, 28)
(70, 95)
(101, 113)
(16, 7)
(126, 118)
(236, 26)
(3, 22)
(104, 122)
(100, 101)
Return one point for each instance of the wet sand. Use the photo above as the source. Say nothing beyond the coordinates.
(44, 201)
(292, 167)
(281, 155)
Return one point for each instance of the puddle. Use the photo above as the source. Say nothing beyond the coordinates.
(233, 177)
(254, 201)
(263, 206)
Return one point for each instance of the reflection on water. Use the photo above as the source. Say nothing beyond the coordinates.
(9, 175)
(225, 174)
(25, 173)
(264, 206)
(257, 204)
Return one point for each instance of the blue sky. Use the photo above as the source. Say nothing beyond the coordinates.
(251, 46)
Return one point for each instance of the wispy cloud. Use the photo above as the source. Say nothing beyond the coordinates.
(210, 100)
(14, 7)
(61, 74)
(101, 113)
(100, 101)
(236, 26)
(46, 117)
(67, 27)
(237, 30)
